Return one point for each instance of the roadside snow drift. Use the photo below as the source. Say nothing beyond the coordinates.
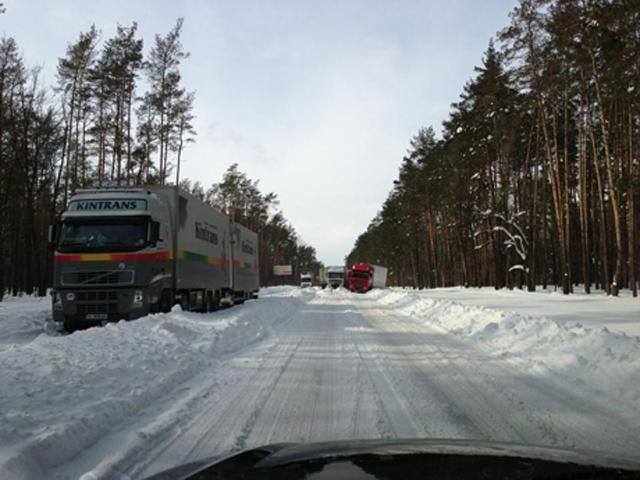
(606, 363)
(22, 319)
(60, 394)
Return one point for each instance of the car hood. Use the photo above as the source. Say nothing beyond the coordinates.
(274, 456)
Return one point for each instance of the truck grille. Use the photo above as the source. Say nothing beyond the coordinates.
(97, 296)
(97, 277)
(93, 302)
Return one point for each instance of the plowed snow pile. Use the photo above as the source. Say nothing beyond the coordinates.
(597, 359)
(22, 319)
(59, 394)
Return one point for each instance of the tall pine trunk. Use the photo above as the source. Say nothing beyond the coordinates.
(584, 201)
(631, 221)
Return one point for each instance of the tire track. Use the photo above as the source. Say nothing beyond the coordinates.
(388, 426)
(267, 390)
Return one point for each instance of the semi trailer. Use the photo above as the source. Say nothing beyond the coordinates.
(365, 276)
(121, 253)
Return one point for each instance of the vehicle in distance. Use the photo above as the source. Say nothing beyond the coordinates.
(363, 277)
(306, 279)
(322, 277)
(335, 276)
(121, 253)
(407, 459)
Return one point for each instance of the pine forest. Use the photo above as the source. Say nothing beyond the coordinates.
(533, 180)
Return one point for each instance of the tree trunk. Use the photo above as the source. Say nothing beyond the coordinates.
(565, 197)
(584, 202)
(606, 280)
(611, 182)
(533, 216)
(631, 221)
(554, 177)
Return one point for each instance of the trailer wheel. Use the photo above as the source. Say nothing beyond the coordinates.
(185, 301)
(212, 302)
(239, 300)
(200, 301)
(229, 299)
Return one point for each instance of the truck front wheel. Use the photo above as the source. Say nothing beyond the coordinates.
(166, 301)
(69, 326)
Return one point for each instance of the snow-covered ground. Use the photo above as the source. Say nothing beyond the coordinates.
(607, 363)
(132, 398)
(597, 310)
(23, 318)
(60, 393)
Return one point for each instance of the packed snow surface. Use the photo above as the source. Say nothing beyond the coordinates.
(300, 365)
(597, 310)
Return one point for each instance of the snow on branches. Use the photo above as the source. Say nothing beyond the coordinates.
(506, 230)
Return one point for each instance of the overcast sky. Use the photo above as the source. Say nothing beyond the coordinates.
(317, 99)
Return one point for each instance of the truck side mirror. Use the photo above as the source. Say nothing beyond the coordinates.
(51, 236)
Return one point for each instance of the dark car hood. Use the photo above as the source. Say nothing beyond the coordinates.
(278, 455)
(292, 452)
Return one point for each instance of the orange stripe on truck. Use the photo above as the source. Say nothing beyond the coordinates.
(106, 257)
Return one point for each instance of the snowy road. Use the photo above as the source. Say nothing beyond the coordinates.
(341, 366)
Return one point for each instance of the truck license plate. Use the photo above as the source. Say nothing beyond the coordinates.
(96, 316)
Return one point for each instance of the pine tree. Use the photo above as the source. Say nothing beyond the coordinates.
(535, 177)
(73, 85)
(163, 74)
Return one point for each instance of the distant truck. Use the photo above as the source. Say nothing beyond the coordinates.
(306, 279)
(322, 277)
(364, 276)
(335, 276)
(121, 253)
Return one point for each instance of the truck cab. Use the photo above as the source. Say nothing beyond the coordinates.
(361, 278)
(112, 257)
(306, 280)
(335, 276)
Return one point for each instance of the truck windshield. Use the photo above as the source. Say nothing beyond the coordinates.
(360, 274)
(336, 275)
(103, 234)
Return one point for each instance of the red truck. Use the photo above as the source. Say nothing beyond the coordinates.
(362, 277)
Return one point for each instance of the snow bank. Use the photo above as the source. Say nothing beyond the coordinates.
(606, 363)
(59, 394)
(22, 318)
(596, 310)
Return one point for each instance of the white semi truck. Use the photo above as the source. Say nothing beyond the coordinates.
(306, 279)
(335, 276)
(121, 253)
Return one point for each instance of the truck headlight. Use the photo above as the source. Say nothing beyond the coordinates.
(138, 297)
(71, 296)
